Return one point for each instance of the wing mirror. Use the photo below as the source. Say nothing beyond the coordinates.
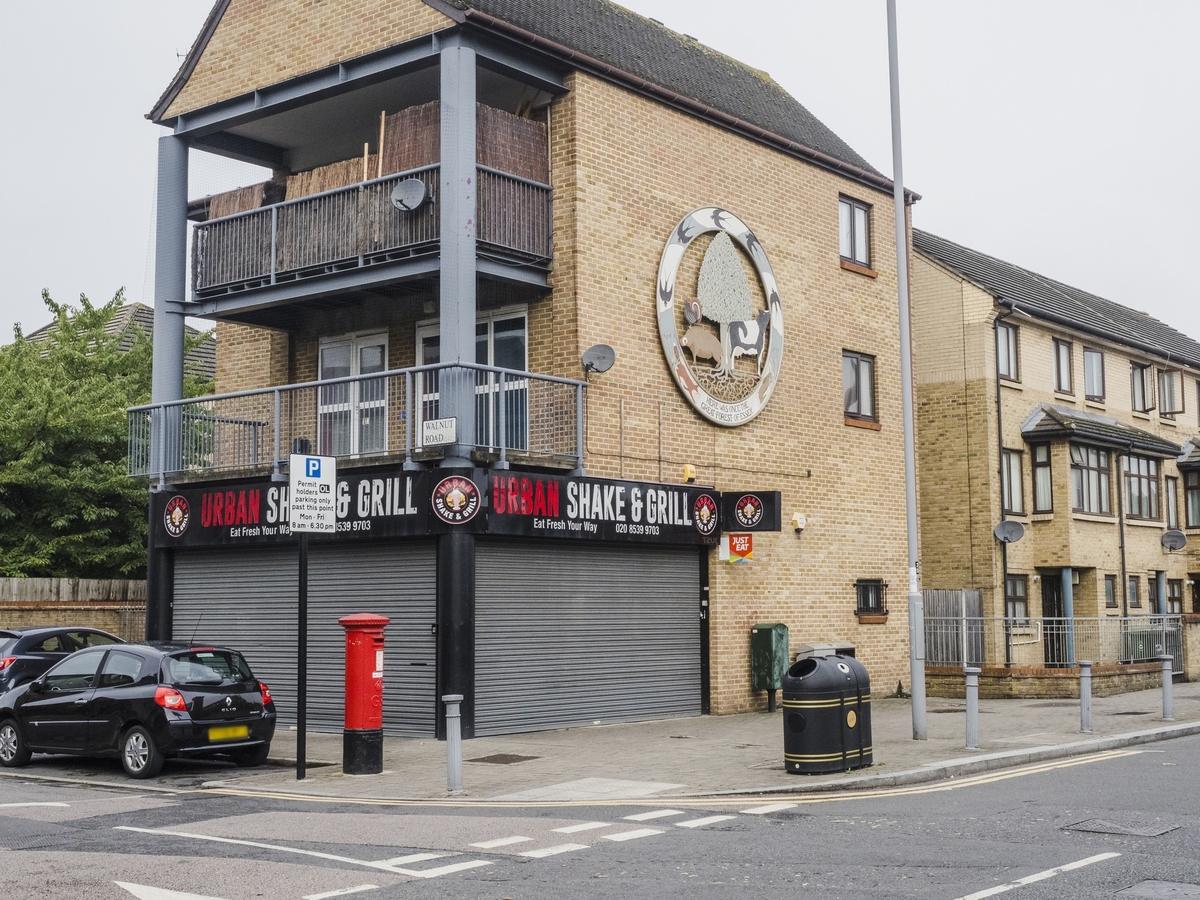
(37, 686)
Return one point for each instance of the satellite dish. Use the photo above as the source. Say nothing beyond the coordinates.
(408, 194)
(599, 358)
(1174, 540)
(1009, 532)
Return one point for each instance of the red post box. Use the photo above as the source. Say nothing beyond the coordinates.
(362, 739)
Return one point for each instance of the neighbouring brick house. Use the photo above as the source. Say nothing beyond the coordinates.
(1042, 404)
(468, 198)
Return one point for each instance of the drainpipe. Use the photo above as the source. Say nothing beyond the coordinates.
(1119, 461)
(1000, 472)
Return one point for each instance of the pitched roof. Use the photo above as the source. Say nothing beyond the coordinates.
(1051, 422)
(1060, 303)
(201, 362)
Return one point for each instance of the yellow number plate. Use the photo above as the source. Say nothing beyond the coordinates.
(228, 733)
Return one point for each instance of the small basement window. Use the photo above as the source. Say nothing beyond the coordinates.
(871, 595)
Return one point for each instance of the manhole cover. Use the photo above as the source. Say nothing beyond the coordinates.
(1161, 890)
(503, 759)
(1103, 826)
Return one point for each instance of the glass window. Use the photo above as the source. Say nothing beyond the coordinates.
(1089, 480)
(1174, 596)
(1007, 364)
(1135, 591)
(1170, 392)
(1062, 367)
(854, 234)
(1093, 374)
(74, 673)
(1140, 388)
(53, 644)
(871, 594)
(1016, 597)
(1110, 591)
(1171, 501)
(91, 639)
(1010, 482)
(1141, 487)
(207, 667)
(858, 385)
(1191, 498)
(1043, 499)
(120, 669)
(352, 416)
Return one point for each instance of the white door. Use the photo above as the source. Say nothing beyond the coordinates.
(352, 416)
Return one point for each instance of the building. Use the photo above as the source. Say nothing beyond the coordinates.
(473, 203)
(1041, 404)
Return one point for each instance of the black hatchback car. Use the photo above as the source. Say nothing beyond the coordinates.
(25, 653)
(142, 703)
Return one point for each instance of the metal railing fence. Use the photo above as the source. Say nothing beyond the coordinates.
(514, 213)
(1051, 642)
(498, 410)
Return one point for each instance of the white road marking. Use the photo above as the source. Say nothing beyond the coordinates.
(554, 851)
(707, 820)
(383, 867)
(769, 808)
(15, 805)
(655, 814)
(585, 826)
(146, 892)
(341, 892)
(1039, 876)
(630, 835)
(416, 857)
(502, 842)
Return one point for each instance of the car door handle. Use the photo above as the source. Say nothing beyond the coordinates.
(81, 701)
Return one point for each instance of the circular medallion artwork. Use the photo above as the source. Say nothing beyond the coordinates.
(727, 359)
(176, 516)
(704, 514)
(455, 499)
(749, 511)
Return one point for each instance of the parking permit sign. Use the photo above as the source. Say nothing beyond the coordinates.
(313, 489)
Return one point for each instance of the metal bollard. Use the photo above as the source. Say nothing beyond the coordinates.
(972, 707)
(454, 778)
(1085, 696)
(1168, 699)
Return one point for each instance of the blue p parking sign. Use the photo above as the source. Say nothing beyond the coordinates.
(312, 467)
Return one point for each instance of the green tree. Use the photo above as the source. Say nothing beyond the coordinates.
(67, 508)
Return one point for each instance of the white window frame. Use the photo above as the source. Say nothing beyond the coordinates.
(1141, 387)
(854, 231)
(1012, 495)
(1170, 392)
(361, 403)
(1008, 352)
(1064, 381)
(1088, 384)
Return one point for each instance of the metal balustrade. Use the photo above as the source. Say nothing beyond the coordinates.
(1051, 642)
(499, 411)
(357, 226)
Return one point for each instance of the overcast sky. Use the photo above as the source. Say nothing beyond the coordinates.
(1056, 135)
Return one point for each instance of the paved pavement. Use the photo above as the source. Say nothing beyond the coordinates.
(710, 755)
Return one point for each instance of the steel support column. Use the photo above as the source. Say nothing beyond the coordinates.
(456, 625)
(1068, 592)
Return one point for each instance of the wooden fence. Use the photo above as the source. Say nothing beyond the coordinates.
(117, 606)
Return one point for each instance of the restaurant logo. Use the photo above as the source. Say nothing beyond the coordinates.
(177, 516)
(732, 331)
(456, 499)
(749, 511)
(704, 514)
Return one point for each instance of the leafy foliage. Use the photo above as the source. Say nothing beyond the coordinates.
(67, 508)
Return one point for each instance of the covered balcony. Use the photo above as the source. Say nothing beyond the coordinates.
(507, 416)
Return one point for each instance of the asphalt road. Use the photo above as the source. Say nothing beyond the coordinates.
(1121, 824)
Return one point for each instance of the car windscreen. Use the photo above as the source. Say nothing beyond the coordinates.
(206, 668)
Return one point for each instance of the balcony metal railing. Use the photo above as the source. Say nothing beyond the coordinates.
(357, 226)
(1051, 642)
(504, 411)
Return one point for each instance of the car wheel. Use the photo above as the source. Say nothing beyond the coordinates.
(13, 751)
(251, 756)
(139, 756)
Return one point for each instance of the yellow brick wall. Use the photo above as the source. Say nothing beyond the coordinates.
(259, 43)
(250, 358)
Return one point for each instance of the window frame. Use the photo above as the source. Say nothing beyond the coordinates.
(864, 588)
(1081, 485)
(1135, 592)
(1110, 592)
(1176, 376)
(1191, 498)
(1037, 467)
(1012, 351)
(1008, 460)
(1147, 506)
(1170, 503)
(1064, 351)
(857, 359)
(1174, 597)
(850, 207)
(1139, 373)
(1100, 397)
(353, 399)
(1016, 603)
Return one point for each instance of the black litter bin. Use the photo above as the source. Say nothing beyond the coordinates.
(826, 715)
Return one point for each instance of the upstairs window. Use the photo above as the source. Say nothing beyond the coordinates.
(858, 385)
(1141, 487)
(1089, 480)
(1063, 382)
(1141, 388)
(1043, 498)
(1007, 364)
(1010, 482)
(1170, 392)
(1093, 374)
(854, 231)
(1171, 501)
(1191, 498)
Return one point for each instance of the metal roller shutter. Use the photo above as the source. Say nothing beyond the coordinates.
(247, 600)
(570, 634)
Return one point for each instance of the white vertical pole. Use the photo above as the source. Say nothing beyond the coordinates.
(916, 606)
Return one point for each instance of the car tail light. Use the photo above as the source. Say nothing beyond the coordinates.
(169, 698)
(6, 662)
(266, 693)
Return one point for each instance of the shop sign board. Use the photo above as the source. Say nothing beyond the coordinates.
(751, 510)
(312, 482)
